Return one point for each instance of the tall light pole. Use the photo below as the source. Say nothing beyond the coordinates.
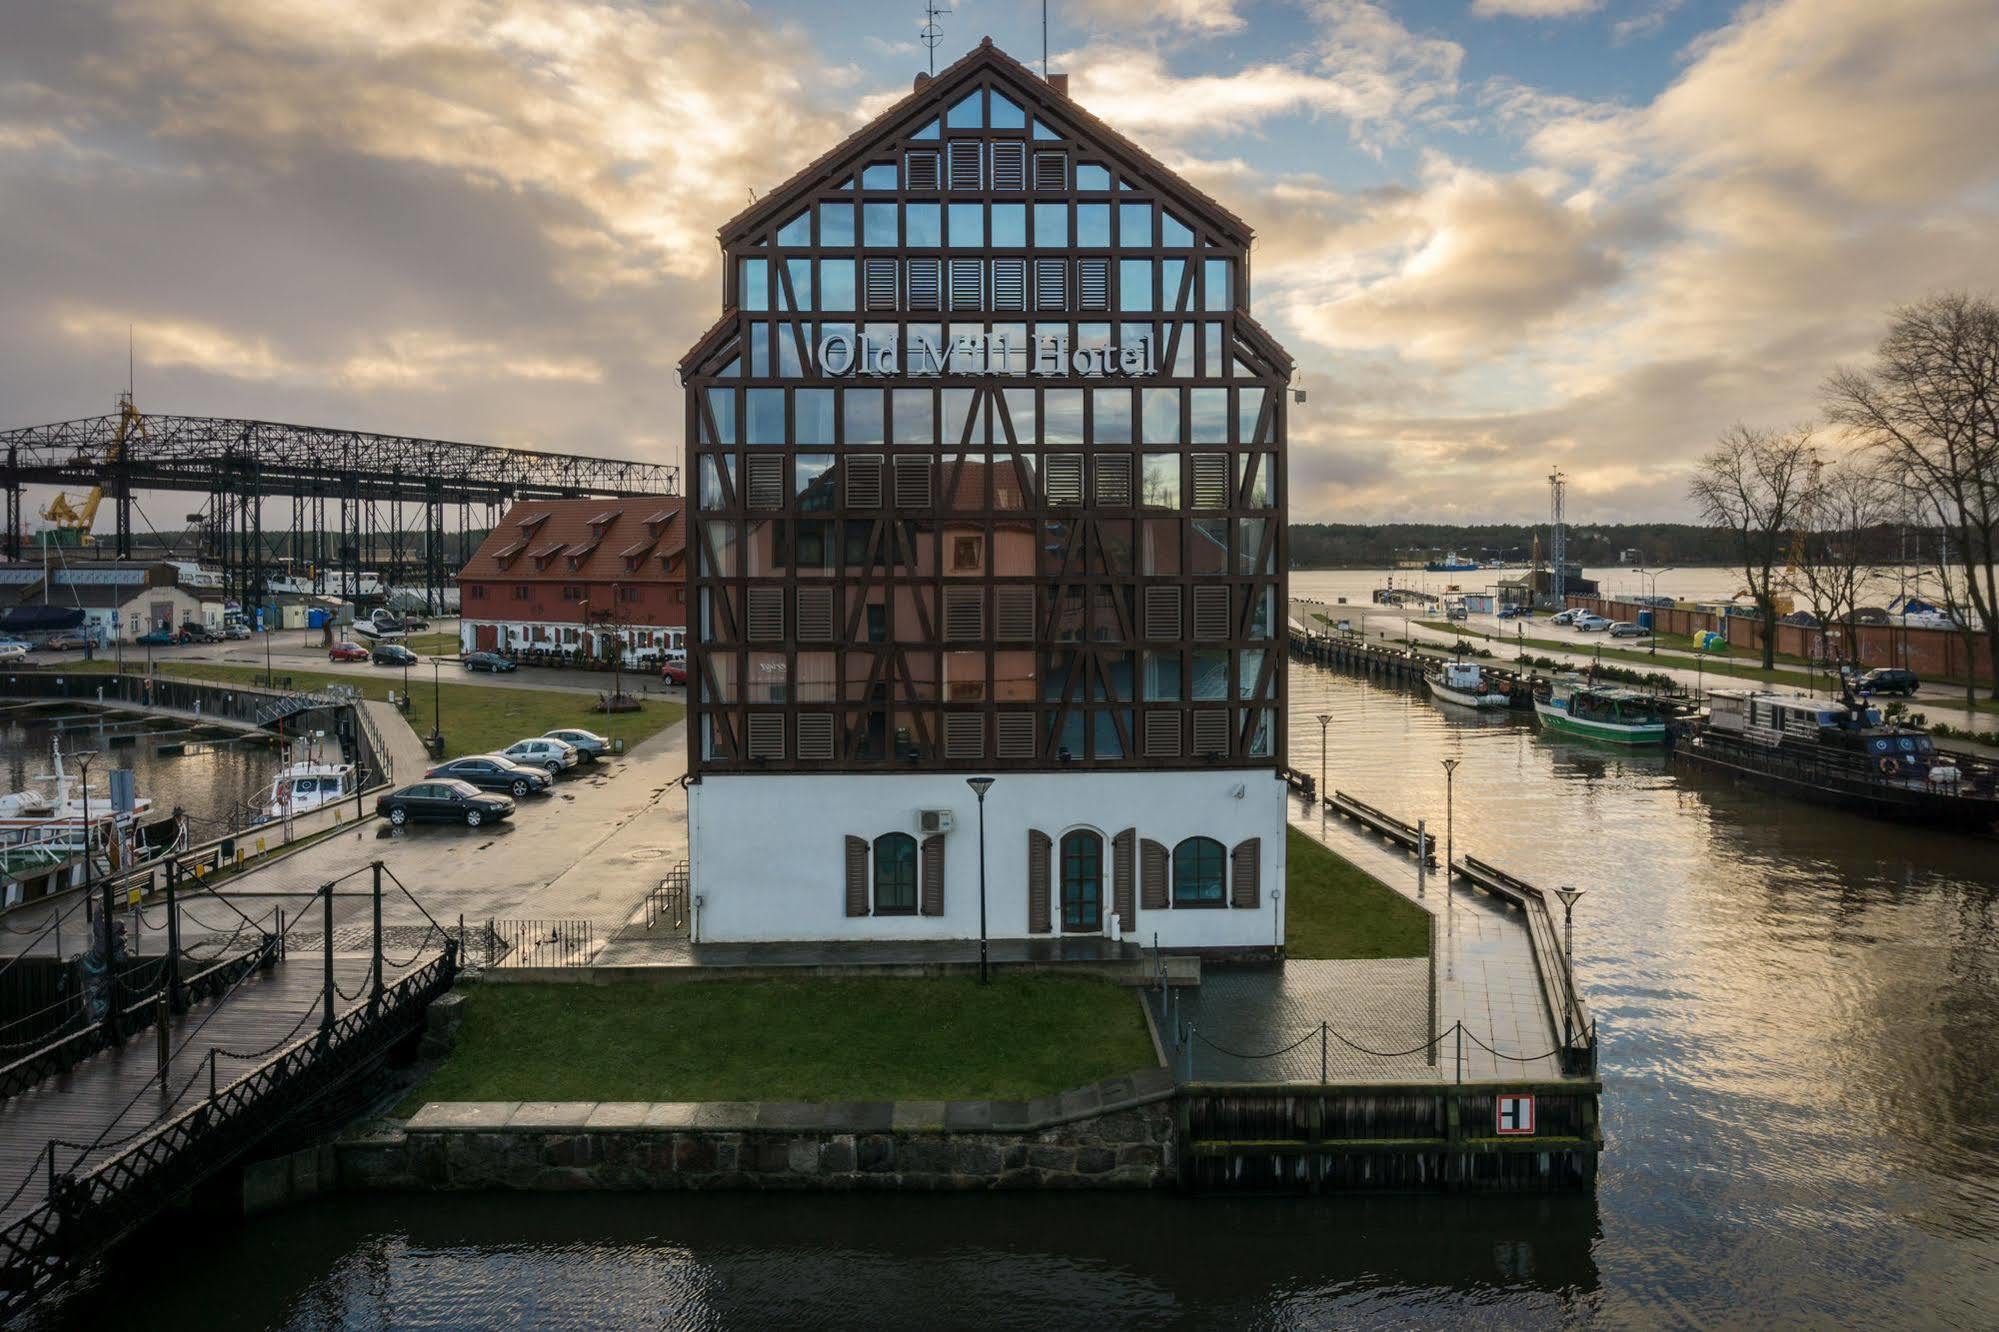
(1450, 774)
(1652, 639)
(1568, 896)
(267, 651)
(1324, 719)
(436, 707)
(981, 785)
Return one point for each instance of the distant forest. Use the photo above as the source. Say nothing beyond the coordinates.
(1358, 546)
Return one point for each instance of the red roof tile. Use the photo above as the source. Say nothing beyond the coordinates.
(565, 527)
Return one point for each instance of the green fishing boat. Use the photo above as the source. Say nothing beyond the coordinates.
(1614, 714)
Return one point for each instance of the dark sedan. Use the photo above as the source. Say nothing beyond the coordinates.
(1888, 680)
(443, 801)
(495, 772)
(393, 654)
(488, 661)
(159, 638)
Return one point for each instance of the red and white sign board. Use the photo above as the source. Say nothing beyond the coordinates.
(1513, 1114)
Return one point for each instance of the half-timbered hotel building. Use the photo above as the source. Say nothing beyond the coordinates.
(986, 458)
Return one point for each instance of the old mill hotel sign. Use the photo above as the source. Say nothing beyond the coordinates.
(843, 353)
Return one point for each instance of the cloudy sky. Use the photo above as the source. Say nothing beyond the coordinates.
(1498, 235)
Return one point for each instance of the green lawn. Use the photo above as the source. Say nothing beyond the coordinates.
(432, 645)
(790, 1040)
(1334, 910)
(478, 718)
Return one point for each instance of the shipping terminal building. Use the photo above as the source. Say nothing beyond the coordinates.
(987, 468)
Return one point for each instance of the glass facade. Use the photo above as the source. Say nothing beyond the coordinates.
(989, 464)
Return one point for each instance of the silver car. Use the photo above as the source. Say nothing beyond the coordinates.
(588, 743)
(542, 752)
(1626, 629)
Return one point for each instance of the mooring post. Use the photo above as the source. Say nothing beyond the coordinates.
(176, 997)
(107, 924)
(1460, 1028)
(375, 994)
(281, 934)
(326, 950)
(165, 1052)
(1322, 1053)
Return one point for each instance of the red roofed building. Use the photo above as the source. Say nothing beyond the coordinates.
(577, 576)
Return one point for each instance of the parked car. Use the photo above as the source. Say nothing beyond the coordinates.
(198, 633)
(1567, 616)
(159, 638)
(588, 743)
(443, 801)
(674, 673)
(393, 654)
(12, 649)
(542, 752)
(1591, 624)
(1626, 629)
(1516, 613)
(487, 661)
(1888, 680)
(236, 631)
(345, 651)
(67, 640)
(494, 772)
(673, 656)
(415, 622)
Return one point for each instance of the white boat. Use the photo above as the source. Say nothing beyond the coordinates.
(1463, 683)
(49, 829)
(306, 785)
(1602, 712)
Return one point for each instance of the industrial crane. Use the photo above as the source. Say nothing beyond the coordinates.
(71, 523)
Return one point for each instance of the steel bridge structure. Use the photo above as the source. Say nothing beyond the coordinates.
(358, 500)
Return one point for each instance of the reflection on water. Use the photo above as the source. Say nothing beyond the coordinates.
(1800, 1018)
(214, 786)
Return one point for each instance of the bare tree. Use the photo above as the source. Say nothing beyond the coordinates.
(1837, 547)
(1930, 404)
(1754, 483)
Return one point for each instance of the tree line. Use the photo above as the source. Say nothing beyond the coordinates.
(1382, 545)
(1909, 440)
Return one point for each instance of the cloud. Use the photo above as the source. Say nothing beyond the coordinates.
(1533, 8)
(1198, 16)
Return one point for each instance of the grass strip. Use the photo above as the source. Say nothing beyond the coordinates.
(1334, 909)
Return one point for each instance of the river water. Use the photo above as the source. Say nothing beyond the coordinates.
(1800, 1022)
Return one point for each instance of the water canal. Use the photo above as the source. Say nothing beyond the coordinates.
(1800, 1016)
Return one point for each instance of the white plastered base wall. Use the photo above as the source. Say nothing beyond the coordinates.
(767, 850)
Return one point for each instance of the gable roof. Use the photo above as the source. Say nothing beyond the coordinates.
(941, 91)
(570, 528)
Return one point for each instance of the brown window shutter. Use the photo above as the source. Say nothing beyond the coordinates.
(1243, 872)
(815, 735)
(1016, 734)
(1051, 171)
(926, 284)
(964, 735)
(1122, 900)
(765, 482)
(1113, 480)
(881, 284)
(1051, 284)
(932, 872)
(1152, 863)
(1038, 847)
(1162, 612)
(1013, 614)
(815, 614)
(1211, 612)
(1162, 734)
(1062, 476)
(912, 481)
(857, 877)
(968, 284)
(964, 614)
(766, 615)
(1093, 284)
(766, 735)
(1009, 166)
(1211, 481)
(864, 481)
(1009, 284)
(1211, 732)
(922, 174)
(964, 164)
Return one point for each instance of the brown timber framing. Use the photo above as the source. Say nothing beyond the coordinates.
(898, 673)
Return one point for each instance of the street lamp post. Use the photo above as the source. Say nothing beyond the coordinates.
(1450, 774)
(1324, 719)
(267, 655)
(436, 704)
(1568, 896)
(1652, 639)
(981, 785)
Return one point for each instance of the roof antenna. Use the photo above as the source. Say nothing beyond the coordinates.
(131, 362)
(1044, 41)
(930, 34)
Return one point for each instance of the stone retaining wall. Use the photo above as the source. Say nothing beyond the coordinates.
(1117, 1135)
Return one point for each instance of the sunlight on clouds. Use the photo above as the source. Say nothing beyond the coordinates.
(161, 343)
(1533, 8)
(1201, 16)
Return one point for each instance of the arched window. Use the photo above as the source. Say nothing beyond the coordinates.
(895, 875)
(1082, 882)
(1197, 873)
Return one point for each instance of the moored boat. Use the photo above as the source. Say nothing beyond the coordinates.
(45, 833)
(1612, 713)
(1463, 683)
(1839, 751)
(305, 785)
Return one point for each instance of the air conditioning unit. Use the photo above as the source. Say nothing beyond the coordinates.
(935, 821)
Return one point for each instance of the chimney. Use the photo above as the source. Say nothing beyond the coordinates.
(1060, 83)
(921, 79)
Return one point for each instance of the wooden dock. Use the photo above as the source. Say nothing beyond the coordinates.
(1405, 835)
(1403, 665)
(1566, 1009)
